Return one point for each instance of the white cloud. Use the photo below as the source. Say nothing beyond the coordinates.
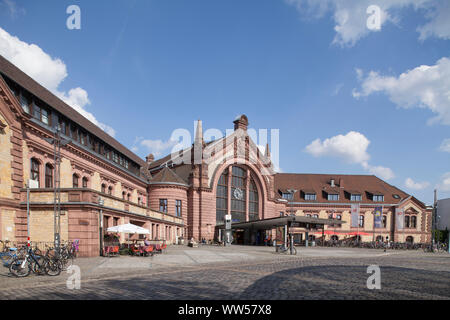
(350, 16)
(423, 87)
(411, 184)
(444, 184)
(351, 148)
(445, 145)
(439, 24)
(49, 72)
(382, 172)
(158, 146)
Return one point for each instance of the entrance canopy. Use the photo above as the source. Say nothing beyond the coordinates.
(292, 221)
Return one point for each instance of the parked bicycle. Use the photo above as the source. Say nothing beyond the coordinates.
(286, 249)
(33, 262)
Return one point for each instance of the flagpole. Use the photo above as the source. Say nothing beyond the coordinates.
(357, 228)
(373, 229)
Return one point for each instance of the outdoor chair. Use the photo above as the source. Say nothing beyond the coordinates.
(148, 251)
(136, 251)
(158, 248)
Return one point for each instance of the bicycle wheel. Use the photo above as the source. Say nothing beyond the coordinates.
(52, 267)
(294, 251)
(66, 262)
(16, 267)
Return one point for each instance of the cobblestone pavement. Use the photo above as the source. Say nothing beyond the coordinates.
(243, 272)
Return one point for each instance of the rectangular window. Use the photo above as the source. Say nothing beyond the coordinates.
(310, 196)
(73, 132)
(163, 205)
(355, 197)
(287, 196)
(25, 103)
(378, 198)
(44, 116)
(36, 112)
(48, 176)
(178, 208)
(333, 197)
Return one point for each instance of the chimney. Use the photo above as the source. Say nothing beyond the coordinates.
(332, 182)
(199, 133)
(241, 122)
(341, 183)
(150, 158)
(267, 153)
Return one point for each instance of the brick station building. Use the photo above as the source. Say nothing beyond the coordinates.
(186, 193)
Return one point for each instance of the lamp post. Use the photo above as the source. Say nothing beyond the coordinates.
(57, 143)
(101, 203)
(291, 238)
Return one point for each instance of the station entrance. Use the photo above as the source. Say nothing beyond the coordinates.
(278, 231)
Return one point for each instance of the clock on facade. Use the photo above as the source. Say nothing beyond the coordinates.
(238, 194)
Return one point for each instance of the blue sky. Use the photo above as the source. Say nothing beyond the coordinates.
(141, 69)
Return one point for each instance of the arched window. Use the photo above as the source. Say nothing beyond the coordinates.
(407, 221)
(103, 188)
(123, 195)
(110, 190)
(361, 221)
(232, 187)
(48, 175)
(409, 239)
(238, 194)
(85, 182)
(384, 221)
(222, 197)
(75, 179)
(253, 206)
(129, 197)
(413, 222)
(35, 170)
(316, 216)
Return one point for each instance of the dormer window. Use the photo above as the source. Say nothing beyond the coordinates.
(310, 196)
(378, 198)
(287, 196)
(25, 103)
(333, 197)
(355, 197)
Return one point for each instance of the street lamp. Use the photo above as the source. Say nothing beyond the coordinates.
(57, 142)
(101, 202)
(291, 238)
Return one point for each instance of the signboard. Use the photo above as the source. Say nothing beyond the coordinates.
(33, 184)
(378, 216)
(400, 215)
(228, 221)
(355, 215)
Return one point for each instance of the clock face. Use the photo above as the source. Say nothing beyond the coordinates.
(238, 194)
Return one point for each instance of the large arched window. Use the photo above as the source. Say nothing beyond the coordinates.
(232, 187)
(222, 197)
(238, 194)
(253, 204)
(35, 170)
(48, 175)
